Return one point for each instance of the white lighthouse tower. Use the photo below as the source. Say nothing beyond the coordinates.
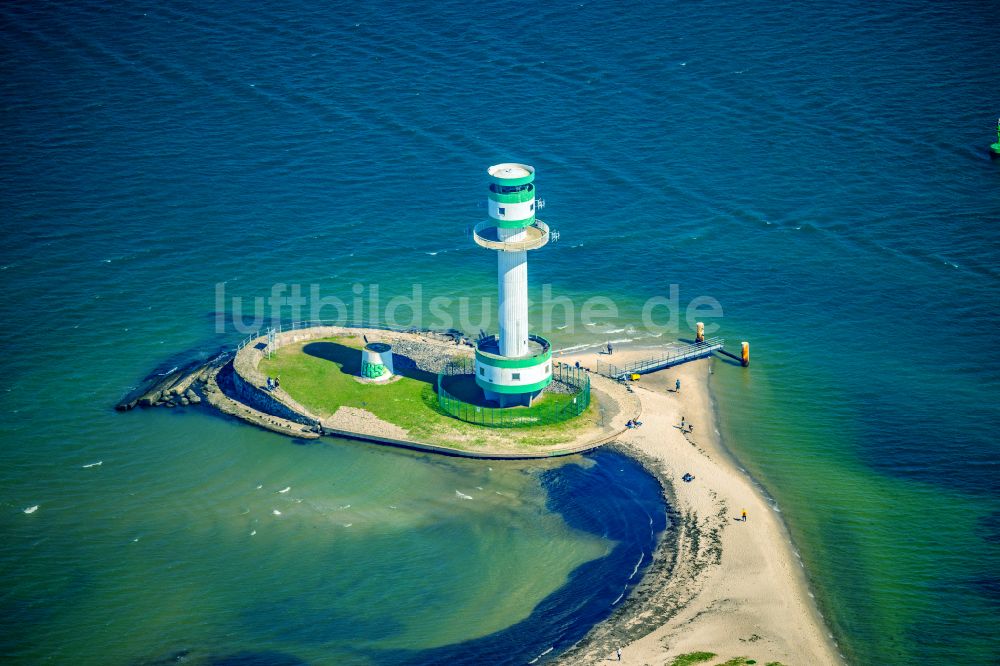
(515, 366)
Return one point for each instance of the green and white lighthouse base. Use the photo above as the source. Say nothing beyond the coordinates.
(512, 381)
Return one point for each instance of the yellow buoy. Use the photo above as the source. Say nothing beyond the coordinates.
(746, 354)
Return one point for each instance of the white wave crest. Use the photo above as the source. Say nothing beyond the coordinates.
(636, 569)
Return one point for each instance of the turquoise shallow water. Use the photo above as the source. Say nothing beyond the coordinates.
(820, 171)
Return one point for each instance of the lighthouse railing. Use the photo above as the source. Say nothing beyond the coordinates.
(549, 411)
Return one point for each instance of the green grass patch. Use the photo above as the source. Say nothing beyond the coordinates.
(701, 657)
(322, 375)
(691, 658)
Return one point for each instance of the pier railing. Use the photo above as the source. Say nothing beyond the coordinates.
(548, 412)
(671, 356)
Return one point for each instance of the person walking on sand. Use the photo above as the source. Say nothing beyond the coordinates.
(744, 515)
(618, 651)
(682, 423)
(677, 386)
(610, 350)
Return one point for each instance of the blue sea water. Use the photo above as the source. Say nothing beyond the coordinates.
(819, 169)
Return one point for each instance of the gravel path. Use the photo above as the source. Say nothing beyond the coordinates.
(363, 422)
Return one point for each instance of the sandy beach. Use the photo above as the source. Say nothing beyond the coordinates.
(717, 584)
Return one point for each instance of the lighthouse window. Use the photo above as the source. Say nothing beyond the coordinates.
(482, 371)
(532, 206)
(510, 189)
(515, 375)
(503, 211)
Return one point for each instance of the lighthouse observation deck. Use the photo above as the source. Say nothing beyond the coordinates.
(487, 234)
(512, 173)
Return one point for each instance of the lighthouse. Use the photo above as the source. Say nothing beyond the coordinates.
(513, 367)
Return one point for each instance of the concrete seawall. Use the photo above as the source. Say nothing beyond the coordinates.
(250, 387)
(238, 387)
(464, 453)
(250, 384)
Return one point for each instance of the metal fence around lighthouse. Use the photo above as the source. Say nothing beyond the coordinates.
(575, 381)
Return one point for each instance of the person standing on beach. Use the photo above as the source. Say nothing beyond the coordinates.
(744, 515)
(610, 350)
(677, 386)
(618, 651)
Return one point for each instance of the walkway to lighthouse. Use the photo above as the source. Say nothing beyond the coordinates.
(673, 355)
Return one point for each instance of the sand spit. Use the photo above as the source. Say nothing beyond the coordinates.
(717, 584)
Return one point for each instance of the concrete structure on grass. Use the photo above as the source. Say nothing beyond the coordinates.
(376, 361)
